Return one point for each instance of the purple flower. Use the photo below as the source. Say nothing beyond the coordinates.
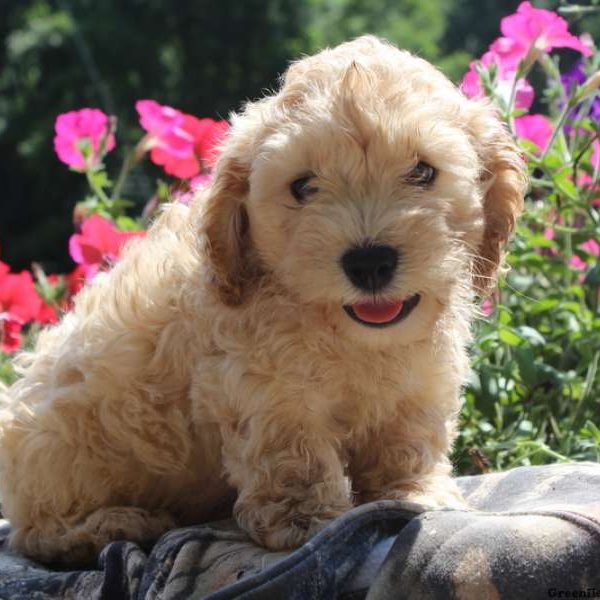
(577, 76)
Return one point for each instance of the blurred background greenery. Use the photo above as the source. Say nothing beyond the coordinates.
(201, 56)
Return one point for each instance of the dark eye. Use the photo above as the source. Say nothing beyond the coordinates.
(422, 174)
(301, 188)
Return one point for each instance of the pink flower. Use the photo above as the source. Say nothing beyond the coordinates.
(549, 234)
(535, 128)
(578, 263)
(75, 128)
(487, 307)
(472, 87)
(535, 27)
(586, 181)
(185, 195)
(99, 244)
(182, 144)
(591, 247)
(595, 158)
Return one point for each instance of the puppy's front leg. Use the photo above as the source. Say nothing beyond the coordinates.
(403, 461)
(290, 481)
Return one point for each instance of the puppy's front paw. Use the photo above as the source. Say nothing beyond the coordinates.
(431, 497)
(437, 499)
(282, 525)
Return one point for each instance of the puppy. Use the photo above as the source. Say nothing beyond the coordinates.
(302, 324)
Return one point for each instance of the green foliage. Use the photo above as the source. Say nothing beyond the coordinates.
(535, 391)
(204, 57)
(411, 24)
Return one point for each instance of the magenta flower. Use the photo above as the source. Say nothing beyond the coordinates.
(534, 27)
(76, 128)
(508, 51)
(577, 263)
(170, 144)
(472, 87)
(535, 128)
(590, 247)
(99, 244)
(182, 144)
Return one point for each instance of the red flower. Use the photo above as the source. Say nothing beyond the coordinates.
(19, 304)
(182, 144)
(207, 134)
(99, 244)
(75, 281)
(47, 315)
(77, 126)
(10, 334)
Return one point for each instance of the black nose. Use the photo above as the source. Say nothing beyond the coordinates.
(370, 268)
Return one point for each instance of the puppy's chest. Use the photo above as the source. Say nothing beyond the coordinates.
(346, 387)
(338, 386)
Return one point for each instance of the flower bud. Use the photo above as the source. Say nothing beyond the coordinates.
(591, 85)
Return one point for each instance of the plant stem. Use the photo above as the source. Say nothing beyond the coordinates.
(125, 168)
(97, 189)
(558, 129)
(132, 158)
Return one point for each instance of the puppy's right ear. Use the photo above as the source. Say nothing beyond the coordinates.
(226, 227)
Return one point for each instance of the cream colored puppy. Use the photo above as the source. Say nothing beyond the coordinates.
(304, 320)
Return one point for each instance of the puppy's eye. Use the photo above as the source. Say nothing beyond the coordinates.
(301, 189)
(422, 174)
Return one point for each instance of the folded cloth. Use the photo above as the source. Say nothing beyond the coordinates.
(534, 532)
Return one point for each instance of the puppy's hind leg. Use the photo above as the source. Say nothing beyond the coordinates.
(66, 542)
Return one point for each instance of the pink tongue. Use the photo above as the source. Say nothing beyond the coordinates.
(377, 312)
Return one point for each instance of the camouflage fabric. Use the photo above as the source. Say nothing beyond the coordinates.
(533, 533)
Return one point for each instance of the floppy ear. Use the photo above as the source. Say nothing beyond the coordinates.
(226, 227)
(504, 181)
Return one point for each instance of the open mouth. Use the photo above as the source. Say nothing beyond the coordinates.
(382, 314)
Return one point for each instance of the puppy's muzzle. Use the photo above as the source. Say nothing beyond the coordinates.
(370, 268)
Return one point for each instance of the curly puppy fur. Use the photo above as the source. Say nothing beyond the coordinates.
(214, 365)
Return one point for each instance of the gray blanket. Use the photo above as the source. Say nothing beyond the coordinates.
(533, 533)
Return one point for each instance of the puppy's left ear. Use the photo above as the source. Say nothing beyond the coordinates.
(226, 227)
(504, 181)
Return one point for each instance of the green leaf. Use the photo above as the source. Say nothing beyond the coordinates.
(527, 369)
(544, 306)
(508, 336)
(534, 337)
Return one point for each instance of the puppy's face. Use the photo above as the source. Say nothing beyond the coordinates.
(366, 191)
